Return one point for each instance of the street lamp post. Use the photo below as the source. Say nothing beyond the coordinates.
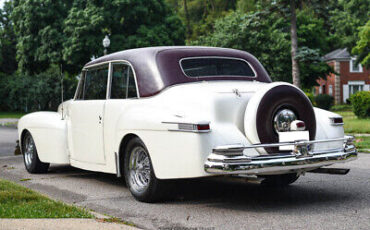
(106, 43)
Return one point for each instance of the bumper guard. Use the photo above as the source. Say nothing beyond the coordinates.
(229, 159)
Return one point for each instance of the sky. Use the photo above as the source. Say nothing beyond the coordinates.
(2, 3)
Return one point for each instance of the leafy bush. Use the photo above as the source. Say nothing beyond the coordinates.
(324, 101)
(361, 104)
(27, 93)
(341, 108)
(311, 97)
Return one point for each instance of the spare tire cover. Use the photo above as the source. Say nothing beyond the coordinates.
(265, 106)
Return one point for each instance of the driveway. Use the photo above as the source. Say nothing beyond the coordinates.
(315, 201)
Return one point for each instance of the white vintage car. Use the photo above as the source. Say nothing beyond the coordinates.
(152, 114)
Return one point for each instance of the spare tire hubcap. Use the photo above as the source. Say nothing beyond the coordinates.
(282, 120)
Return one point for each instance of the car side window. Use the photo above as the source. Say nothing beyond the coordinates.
(95, 83)
(123, 82)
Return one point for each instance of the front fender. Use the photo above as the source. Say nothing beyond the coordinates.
(49, 132)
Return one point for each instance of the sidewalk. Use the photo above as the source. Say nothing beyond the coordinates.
(60, 224)
(361, 134)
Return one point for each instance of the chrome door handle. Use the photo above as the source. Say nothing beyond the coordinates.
(100, 119)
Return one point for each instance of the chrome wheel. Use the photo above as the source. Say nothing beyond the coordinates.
(139, 169)
(29, 150)
(282, 120)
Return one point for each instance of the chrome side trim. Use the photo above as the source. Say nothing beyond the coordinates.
(182, 125)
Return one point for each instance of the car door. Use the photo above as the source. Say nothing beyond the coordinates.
(123, 93)
(86, 117)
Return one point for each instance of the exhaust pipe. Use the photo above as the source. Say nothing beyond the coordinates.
(336, 171)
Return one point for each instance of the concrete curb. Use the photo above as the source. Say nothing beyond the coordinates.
(62, 224)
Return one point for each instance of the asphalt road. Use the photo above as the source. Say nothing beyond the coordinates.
(8, 137)
(315, 201)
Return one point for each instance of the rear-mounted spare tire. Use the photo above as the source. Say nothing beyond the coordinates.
(272, 101)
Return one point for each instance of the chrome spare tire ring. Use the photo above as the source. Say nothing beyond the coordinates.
(139, 169)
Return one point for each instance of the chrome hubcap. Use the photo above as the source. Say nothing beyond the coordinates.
(139, 169)
(282, 120)
(29, 150)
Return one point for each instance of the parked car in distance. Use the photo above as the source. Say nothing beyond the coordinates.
(152, 114)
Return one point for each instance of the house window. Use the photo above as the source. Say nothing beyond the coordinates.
(355, 68)
(320, 90)
(331, 90)
(355, 86)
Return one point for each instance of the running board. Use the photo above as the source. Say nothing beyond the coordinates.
(336, 171)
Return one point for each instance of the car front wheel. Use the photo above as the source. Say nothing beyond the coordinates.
(30, 156)
(139, 174)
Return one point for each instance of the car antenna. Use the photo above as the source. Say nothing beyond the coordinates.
(61, 86)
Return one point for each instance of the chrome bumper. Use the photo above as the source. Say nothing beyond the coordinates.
(229, 159)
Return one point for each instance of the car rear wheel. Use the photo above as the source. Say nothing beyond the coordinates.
(30, 156)
(139, 173)
(279, 180)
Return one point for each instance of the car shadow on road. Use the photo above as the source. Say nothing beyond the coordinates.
(70, 171)
(238, 195)
(230, 194)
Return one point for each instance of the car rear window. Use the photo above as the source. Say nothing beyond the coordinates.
(215, 66)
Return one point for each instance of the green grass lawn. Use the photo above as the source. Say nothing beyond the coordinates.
(11, 114)
(363, 144)
(19, 202)
(352, 124)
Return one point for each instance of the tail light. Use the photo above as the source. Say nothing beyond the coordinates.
(203, 127)
(297, 125)
(336, 121)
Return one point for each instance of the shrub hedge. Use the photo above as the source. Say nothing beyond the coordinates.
(324, 101)
(361, 104)
(344, 107)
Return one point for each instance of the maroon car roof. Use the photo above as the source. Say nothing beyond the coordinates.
(158, 67)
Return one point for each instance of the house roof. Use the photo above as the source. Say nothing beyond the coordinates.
(338, 54)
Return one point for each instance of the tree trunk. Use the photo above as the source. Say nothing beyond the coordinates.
(187, 18)
(294, 45)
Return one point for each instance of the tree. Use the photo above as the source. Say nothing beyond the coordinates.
(8, 63)
(294, 44)
(288, 8)
(199, 15)
(131, 24)
(362, 48)
(266, 36)
(38, 25)
(345, 19)
(259, 34)
(187, 18)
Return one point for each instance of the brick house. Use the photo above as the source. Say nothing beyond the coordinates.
(349, 79)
